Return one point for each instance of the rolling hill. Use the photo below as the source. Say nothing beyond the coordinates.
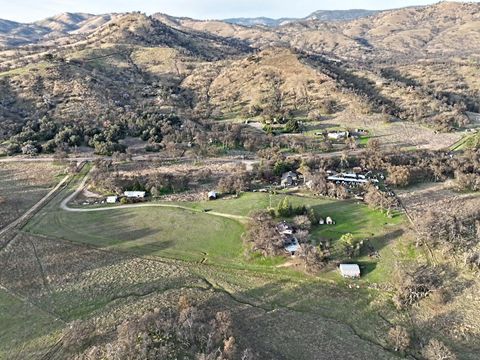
(121, 63)
(321, 15)
(17, 34)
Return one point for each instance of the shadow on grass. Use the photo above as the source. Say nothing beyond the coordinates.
(308, 320)
(366, 267)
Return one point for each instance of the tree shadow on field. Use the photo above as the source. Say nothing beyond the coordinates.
(381, 241)
(136, 234)
(149, 248)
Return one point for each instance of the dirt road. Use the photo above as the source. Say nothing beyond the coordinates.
(81, 186)
(34, 208)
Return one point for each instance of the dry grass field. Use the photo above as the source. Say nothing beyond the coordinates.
(400, 134)
(439, 197)
(455, 318)
(22, 184)
(69, 282)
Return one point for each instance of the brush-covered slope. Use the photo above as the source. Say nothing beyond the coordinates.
(132, 63)
(139, 29)
(275, 78)
(446, 27)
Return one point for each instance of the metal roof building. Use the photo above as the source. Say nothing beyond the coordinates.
(134, 194)
(350, 270)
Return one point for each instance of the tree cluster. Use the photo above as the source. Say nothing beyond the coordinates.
(107, 178)
(285, 209)
(186, 332)
(263, 236)
(234, 183)
(379, 200)
(458, 231)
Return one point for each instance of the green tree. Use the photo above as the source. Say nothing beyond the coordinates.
(349, 246)
(292, 126)
(284, 208)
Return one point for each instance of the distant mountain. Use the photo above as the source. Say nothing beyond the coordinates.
(341, 15)
(16, 34)
(7, 26)
(64, 22)
(259, 21)
(321, 15)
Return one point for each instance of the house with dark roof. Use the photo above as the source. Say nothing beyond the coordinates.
(289, 178)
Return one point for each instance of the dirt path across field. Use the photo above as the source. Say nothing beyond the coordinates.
(34, 208)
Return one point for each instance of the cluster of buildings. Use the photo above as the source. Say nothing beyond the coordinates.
(352, 178)
(128, 194)
(291, 178)
(338, 135)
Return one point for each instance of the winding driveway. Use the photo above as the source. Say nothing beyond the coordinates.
(64, 205)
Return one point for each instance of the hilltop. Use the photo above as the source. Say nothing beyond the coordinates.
(321, 15)
(61, 25)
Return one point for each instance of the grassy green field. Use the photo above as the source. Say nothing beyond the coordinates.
(350, 216)
(198, 236)
(172, 233)
(83, 282)
(468, 141)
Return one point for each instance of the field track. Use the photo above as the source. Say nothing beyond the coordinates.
(34, 208)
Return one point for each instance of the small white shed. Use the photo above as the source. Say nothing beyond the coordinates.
(350, 270)
(112, 199)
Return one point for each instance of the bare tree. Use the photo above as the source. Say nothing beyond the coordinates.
(399, 338)
(414, 284)
(437, 350)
